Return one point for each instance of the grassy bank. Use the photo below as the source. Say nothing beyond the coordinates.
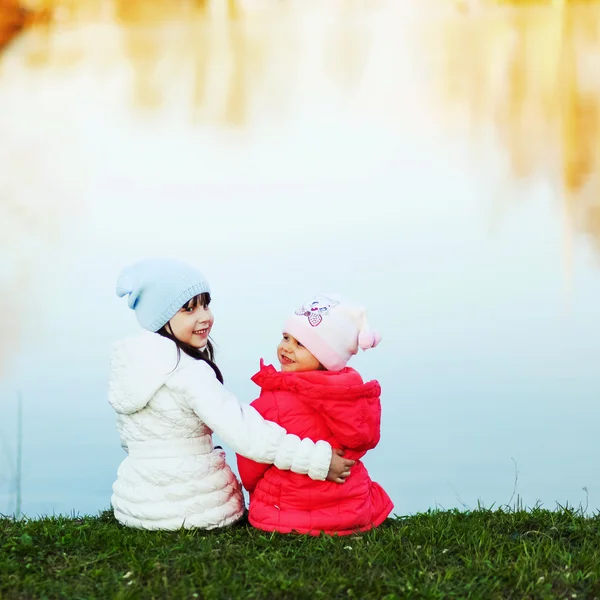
(479, 554)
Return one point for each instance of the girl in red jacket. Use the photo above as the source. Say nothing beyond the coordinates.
(316, 395)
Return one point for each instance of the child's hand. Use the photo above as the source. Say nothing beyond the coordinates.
(339, 468)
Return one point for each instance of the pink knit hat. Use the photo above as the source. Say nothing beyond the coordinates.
(331, 330)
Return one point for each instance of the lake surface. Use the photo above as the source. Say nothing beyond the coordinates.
(435, 161)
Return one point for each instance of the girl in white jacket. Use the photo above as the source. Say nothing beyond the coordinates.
(169, 398)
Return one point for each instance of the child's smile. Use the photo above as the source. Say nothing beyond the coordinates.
(201, 332)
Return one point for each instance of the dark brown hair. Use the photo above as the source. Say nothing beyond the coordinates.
(207, 354)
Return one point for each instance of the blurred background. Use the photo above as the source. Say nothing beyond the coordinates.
(436, 161)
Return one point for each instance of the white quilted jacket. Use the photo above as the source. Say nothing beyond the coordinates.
(172, 476)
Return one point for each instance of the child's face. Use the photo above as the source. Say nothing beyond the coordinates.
(293, 356)
(192, 325)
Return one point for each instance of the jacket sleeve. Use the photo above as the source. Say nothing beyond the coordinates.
(252, 472)
(242, 428)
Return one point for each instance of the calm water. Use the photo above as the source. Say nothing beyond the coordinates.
(437, 162)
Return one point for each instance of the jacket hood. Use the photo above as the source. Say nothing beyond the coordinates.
(350, 407)
(346, 385)
(139, 366)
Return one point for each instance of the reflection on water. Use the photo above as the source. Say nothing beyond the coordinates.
(209, 56)
(13, 18)
(528, 73)
(39, 185)
(220, 61)
(529, 76)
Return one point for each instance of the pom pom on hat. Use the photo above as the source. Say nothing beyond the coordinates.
(368, 338)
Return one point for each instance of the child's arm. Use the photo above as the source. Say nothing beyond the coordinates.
(242, 427)
(251, 472)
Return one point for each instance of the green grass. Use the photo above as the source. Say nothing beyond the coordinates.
(440, 554)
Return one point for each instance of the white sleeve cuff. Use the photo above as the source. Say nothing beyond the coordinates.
(304, 457)
(321, 459)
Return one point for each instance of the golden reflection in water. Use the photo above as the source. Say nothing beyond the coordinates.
(14, 17)
(348, 48)
(164, 42)
(530, 76)
(217, 57)
(39, 186)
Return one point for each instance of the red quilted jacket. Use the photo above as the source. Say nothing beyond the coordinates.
(337, 407)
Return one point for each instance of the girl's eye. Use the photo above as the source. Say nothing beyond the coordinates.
(300, 345)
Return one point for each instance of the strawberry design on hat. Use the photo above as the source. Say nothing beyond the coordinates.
(315, 310)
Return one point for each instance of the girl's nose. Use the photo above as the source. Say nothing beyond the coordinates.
(202, 315)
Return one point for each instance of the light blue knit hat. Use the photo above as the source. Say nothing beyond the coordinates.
(158, 288)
